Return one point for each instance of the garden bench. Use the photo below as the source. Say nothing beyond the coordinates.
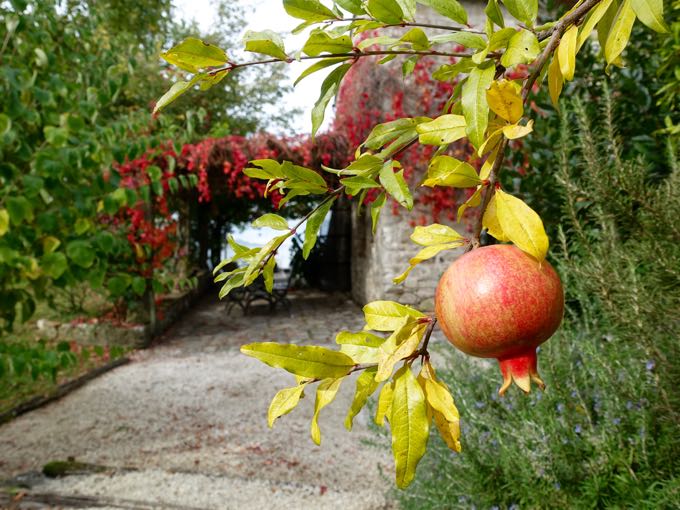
(245, 297)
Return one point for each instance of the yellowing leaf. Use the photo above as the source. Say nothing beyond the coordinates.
(650, 13)
(523, 48)
(442, 130)
(505, 100)
(409, 424)
(366, 385)
(566, 52)
(490, 221)
(555, 81)
(325, 394)
(405, 349)
(426, 254)
(449, 430)
(619, 33)
(193, 54)
(474, 103)
(521, 225)
(177, 89)
(4, 222)
(447, 171)
(515, 131)
(473, 201)
(485, 171)
(306, 361)
(272, 221)
(434, 234)
(388, 315)
(592, 19)
(384, 407)
(283, 403)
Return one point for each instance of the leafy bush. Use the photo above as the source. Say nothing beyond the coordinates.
(604, 434)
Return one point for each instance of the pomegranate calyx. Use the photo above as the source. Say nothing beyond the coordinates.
(520, 369)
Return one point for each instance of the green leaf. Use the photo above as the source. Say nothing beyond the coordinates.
(463, 38)
(383, 133)
(81, 253)
(447, 171)
(268, 274)
(418, 40)
(366, 385)
(193, 54)
(619, 33)
(138, 285)
(449, 8)
(388, 315)
(306, 361)
(521, 225)
(5, 124)
(449, 72)
(313, 225)
(266, 42)
(501, 39)
(443, 130)
(475, 106)
(362, 346)
(283, 403)
(317, 66)
(19, 209)
(4, 222)
(493, 12)
(435, 234)
(353, 6)
(650, 13)
(118, 284)
(523, 10)
(57, 137)
(54, 264)
(384, 407)
(410, 425)
(395, 185)
(523, 48)
(376, 207)
(308, 10)
(325, 394)
(354, 185)
(272, 221)
(329, 88)
(387, 11)
(177, 89)
(322, 42)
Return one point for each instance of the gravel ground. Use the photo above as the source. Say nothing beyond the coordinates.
(185, 424)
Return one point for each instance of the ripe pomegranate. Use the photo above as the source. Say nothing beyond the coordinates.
(498, 302)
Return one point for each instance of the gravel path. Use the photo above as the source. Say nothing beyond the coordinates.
(185, 424)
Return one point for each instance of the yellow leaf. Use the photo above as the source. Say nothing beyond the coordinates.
(362, 347)
(485, 171)
(366, 385)
(650, 12)
(283, 403)
(405, 349)
(325, 394)
(555, 81)
(425, 254)
(490, 221)
(514, 131)
(434, 234)
(448, 171)
(491, 142)
(4, 222)
(388, 315)
(409, 424)
(450, 431)
(521, 225)
(306, 361)
(566, 53)
(384, 407)
(592, 19)
(619, 33)
(473, 201)
(505, 100)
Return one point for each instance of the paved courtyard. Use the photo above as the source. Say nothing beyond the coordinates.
(184, 424)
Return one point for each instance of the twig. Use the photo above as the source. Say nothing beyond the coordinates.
(555, 33)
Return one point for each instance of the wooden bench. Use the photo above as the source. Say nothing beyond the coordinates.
(245, 297)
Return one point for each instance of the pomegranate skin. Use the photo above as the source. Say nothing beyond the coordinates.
(499, 302)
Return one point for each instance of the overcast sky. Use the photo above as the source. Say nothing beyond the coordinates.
(269, 14)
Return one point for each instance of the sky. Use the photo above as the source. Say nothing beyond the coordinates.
(263, 15)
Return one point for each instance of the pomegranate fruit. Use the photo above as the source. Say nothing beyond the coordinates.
(498, 302)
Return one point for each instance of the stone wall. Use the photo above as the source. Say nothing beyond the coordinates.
(379, 258)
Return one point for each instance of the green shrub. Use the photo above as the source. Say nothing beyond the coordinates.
(604, 433)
